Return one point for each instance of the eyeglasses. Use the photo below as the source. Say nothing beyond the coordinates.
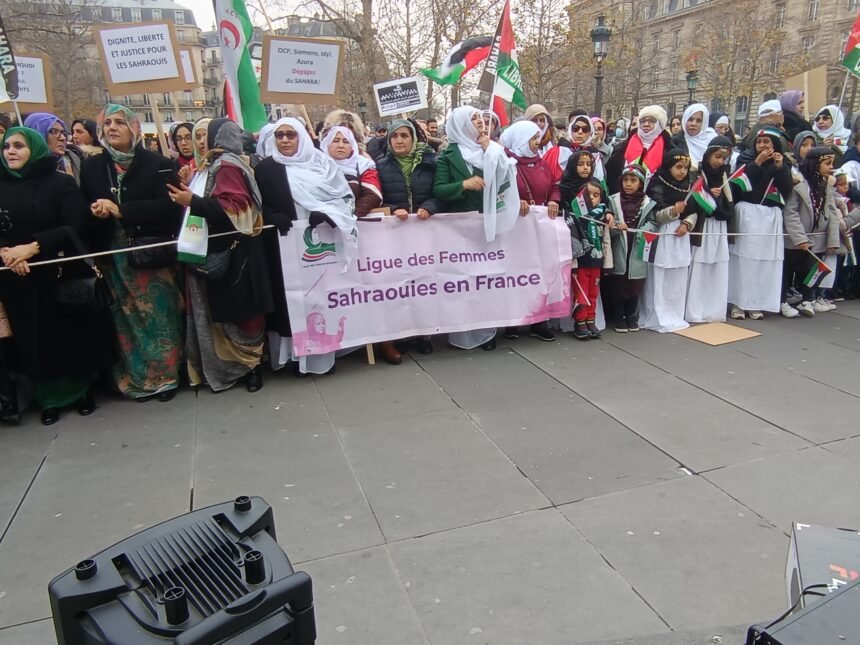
(822, 117)
(185, 139)
(57, 132)
(289, 136)
(648, 119)
(580, 128)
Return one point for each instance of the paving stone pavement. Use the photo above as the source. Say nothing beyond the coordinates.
(636, 490)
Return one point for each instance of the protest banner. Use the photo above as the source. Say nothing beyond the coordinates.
(189, 73)
(423, 277)
(400, 96)
(140, 58)
(35, 93)
(8, 70)
(301, 70)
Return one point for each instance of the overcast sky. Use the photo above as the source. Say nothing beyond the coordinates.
(204, 14)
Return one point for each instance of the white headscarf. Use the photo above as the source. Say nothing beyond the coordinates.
(266, 136)
(355, 165)
(460, 130)
(516, 138)
(837, 129)
(581, 119)
(318, 185)
(658, 113)
(696, 145)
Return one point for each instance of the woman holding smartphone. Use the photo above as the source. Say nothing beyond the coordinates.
(125, 188)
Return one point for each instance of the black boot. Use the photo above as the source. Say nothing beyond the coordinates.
(9, 412)
(621, 324)
(580, 331)
(631, 312)
(593, 331)
(85, 406)
(255, 379)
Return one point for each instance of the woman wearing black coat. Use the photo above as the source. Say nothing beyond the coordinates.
(126, 190)
(407, 172)
(41, 216)
(226, 313)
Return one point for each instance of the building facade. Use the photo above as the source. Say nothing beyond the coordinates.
(740, 52)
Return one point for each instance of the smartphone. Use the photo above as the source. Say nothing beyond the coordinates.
(169, 176)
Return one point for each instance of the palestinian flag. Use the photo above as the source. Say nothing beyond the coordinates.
(579, 204)
(851, 55)
(740, 179)
(501, 76)
(646, 244)
(816, 273)
(772, 194)
(235, 30)
(699, 193)
(463, 57)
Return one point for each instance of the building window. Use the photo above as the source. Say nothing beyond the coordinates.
(179, 17)
(808, 43)
(853, 4)
(676, 39)
(675, 75)
(655, 79)
(780, 15)
(116, 14)
(650, 11)
(213, 55)
(147, 116)
(156, 14)
(180, 35)
(775, 53)
(167, 98)
(146, 99)
(187, 97)
(135, 15)
(813, 10)
(656, 42)
(168, 116)
(672, 6)
(742, 106)
(768, 96)
(189, 116)
(843, 43)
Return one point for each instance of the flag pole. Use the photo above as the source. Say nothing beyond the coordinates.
(844, 86)
(18, 112)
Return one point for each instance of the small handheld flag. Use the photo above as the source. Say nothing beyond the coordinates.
(462, 58)
(773, 195)
(647, 245)
(579, 204)
(740, 179)
(699, 193)
(817, 272)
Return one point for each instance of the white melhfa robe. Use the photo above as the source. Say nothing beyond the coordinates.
(665, 295)
(708, 285)
(755, 264)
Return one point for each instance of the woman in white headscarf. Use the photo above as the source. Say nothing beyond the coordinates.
(360, 171)
(645, 146)
(830, 128)
(299, 182)
(265, 141)
(469, 172)
(695, 133)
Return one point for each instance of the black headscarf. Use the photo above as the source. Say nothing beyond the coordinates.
(714, 176)
(810, 168)
(665, 189)
(175, 131)
(571, 183)
(92, 129)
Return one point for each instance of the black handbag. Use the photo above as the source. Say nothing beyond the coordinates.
(81, 288)
(216, 265)
(157, 257)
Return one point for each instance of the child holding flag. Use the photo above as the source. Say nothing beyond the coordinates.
(811, 221)
(587, 218)
(665, 295)
(630, 251)
(760, 186)
(708, 286)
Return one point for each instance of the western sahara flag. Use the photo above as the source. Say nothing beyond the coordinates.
(502, 73)
(234, 31)
(772, 194)
(740, 179)
(462, 58)
(699, 193)
(647, 245)
(816, 274)
(8, 69)
(851, 55)
(579, 204)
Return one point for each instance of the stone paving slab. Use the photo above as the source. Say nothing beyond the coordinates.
(103, 479)
(27, 446)
(520, 580)
(435, 472)
(359, 598)
(40, 632)
(654, 536)
(814, 486)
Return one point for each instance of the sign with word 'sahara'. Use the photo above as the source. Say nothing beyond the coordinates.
(34, 84)
(402, 95)
(140, 58)
(301, 70)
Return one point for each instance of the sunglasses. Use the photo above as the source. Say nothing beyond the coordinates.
(580, 128)
(821, 117)
(289, 136)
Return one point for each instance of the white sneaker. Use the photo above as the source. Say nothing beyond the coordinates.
(827, 303)
(788, 311)
(756, 315)
(806, 308)
(820, 305)
(793, 297)
(737, 313)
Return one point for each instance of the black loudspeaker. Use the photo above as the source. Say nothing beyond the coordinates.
(215, 575)
(832, 620)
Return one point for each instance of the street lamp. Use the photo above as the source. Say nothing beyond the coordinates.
(362, 109)
(600, 36)
(692, 82)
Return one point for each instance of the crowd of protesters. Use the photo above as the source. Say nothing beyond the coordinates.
(646, 255)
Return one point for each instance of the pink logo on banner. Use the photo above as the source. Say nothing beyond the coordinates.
(315, 340)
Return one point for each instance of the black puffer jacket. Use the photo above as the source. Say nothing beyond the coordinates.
(395, 193)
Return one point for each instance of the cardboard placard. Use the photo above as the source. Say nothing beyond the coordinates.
(399, 96)
(35, 93)
(140, 58)
(717, 333)
(189, 73)
(301, 70)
